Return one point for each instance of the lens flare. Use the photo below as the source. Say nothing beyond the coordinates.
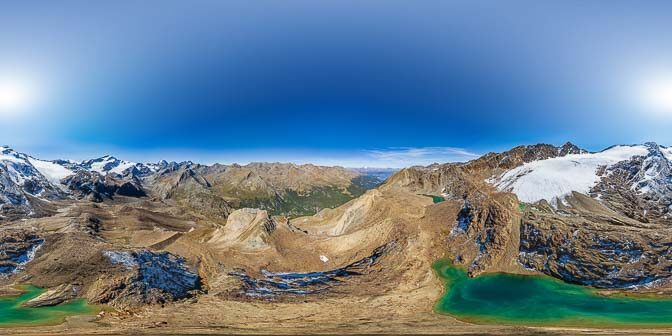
(656, 96)
(16, 96)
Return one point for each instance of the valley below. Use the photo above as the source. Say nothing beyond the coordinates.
(107, 246)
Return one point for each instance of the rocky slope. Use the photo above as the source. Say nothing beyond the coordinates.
(587, 243)
(286, 189)
(27, 183)
(185, 256)
(597, 219)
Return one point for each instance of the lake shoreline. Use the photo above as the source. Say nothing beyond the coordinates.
(585, 321)
(13, 313)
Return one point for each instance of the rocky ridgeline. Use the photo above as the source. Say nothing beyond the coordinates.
(639, 188)
(22, 185)
(95, 187)
(482, 236)
(457, 180)
(27, 183)
(213, 191)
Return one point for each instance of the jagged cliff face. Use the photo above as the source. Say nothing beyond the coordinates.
(26, 183)
(639, 188)
(598, 219)
(590, 245)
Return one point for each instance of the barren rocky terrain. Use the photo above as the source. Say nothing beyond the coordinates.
(175, 248)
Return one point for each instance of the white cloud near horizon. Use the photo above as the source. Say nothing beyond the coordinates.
(404, 156)
(392, 157)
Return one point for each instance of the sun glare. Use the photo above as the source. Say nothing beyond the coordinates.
(15, 97)
(656, 95)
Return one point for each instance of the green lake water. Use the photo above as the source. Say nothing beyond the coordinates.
(12, 313)
(540, 300)
(436, 199)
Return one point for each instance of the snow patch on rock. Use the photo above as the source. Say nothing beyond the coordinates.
(52, 171)
(123, 258)
(554, 179)
(667, 151)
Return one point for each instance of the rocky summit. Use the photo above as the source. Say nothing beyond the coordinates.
(202, 246)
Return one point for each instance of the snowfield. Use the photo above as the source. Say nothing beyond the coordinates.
(52, 171)
(112, 165)
(8, 157)
(554, 179)
(667, 152)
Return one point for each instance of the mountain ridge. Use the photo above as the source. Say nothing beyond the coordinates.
(274, 186)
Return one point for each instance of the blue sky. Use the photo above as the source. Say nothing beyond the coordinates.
(375, 83)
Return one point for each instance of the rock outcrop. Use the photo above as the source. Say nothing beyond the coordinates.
(17, 248)
(23, 185)
(245, 229)
(145, 277)
(54, 296)
(595, 248)
(95, 187)
(639, 188)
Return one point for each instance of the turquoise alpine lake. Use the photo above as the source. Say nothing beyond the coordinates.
(501, 298)
(13, 313)
(436, 199)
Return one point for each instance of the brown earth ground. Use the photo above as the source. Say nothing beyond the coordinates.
(394, 296)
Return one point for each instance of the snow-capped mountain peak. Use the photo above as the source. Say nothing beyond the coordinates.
(107, 164)
(26, 182)
(23, 177)
(555, 178)
(51, 170)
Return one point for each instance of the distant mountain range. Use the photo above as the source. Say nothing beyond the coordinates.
(228, 237)
(616, 176)
(28, 185)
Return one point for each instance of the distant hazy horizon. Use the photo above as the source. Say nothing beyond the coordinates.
(391, 158)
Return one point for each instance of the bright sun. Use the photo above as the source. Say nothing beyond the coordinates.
(15, 97)
(656, 95)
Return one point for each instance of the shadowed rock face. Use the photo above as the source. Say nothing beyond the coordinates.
(148, 278)
(95, 187)
(595, 251)
(482, 233)
(17, 248)
(640, 188)
(21, 184)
